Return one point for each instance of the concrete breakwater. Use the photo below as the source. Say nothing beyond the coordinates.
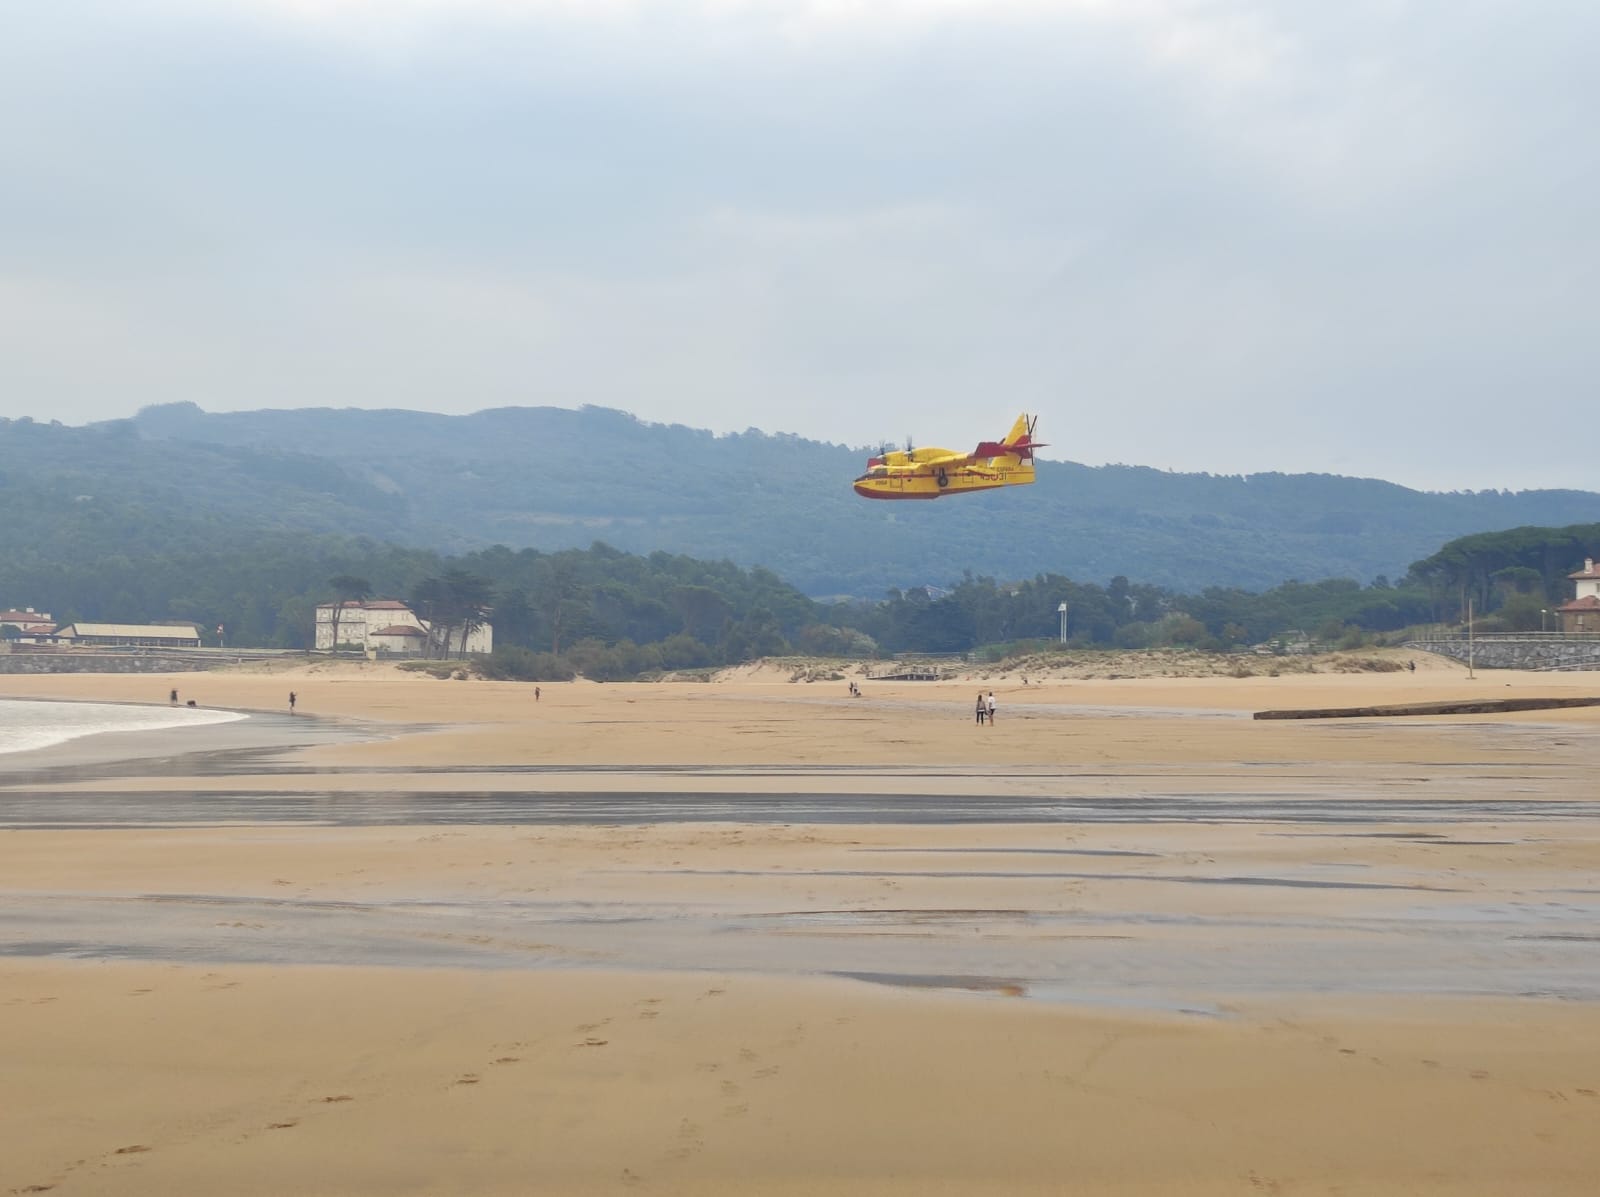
(1467, 706)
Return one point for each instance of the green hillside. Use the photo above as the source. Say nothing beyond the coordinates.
(110, 523)
(553, 478)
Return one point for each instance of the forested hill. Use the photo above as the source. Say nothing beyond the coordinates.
(552, 478)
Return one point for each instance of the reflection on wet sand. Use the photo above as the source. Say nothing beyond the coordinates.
(656, 898)
(1455, 924)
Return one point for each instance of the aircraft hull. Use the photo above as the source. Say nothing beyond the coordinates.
(926, 486)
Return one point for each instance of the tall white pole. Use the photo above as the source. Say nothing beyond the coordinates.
(1469, 638)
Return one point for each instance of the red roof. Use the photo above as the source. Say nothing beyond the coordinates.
(369, 605)
(1588, 570)
(22, 617)
(399, 629)
(1587, 603)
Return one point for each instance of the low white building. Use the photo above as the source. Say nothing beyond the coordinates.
(390, 627)
(130, 635)
(400, 640)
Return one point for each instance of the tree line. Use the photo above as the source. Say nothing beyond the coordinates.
(611, 614)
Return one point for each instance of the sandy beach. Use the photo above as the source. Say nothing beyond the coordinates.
(755, 935)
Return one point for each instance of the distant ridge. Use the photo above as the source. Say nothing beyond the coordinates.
(548, 477)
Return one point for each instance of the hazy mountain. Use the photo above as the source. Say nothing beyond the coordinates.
(552, 478)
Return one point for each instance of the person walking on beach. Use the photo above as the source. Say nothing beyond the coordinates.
(990, 706)
(536, 694)
(172, 699)
(291, 702)
(982, 709)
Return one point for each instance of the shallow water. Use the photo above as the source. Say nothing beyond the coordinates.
(27, 724)
(25, 808)
(1380, 929)
(1150, 957)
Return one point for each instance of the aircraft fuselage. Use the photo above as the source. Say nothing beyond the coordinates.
(924, 482)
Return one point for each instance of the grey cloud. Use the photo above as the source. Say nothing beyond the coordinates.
(1248, 236)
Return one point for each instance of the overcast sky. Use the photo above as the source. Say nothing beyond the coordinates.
(1226, 235)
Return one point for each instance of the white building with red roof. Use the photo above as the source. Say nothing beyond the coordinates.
(30, 622)
(389, 626)
(1582, 614)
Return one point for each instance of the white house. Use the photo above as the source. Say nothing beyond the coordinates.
(29, 622)
(1582, 614)
(391, 627)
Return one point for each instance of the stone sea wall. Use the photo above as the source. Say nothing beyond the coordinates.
(105, 663)
(1545, 652)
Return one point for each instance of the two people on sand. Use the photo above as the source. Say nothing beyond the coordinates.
(985, 707)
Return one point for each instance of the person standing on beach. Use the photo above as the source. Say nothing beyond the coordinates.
(536, 694)
(291, 702)
(172, 699)
(990, 706)
(982, 709)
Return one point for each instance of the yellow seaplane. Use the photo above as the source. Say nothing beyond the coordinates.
(933, 473)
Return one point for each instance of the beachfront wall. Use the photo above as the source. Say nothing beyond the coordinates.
(1512, 651)
(109, 662)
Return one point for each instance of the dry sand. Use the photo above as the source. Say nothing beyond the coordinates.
(700, 1047)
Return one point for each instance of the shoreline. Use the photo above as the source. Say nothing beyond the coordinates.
(86, 755)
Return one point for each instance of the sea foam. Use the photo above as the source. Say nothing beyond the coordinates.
(26, 725)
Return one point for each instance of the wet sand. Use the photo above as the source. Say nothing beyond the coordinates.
(760, 937)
